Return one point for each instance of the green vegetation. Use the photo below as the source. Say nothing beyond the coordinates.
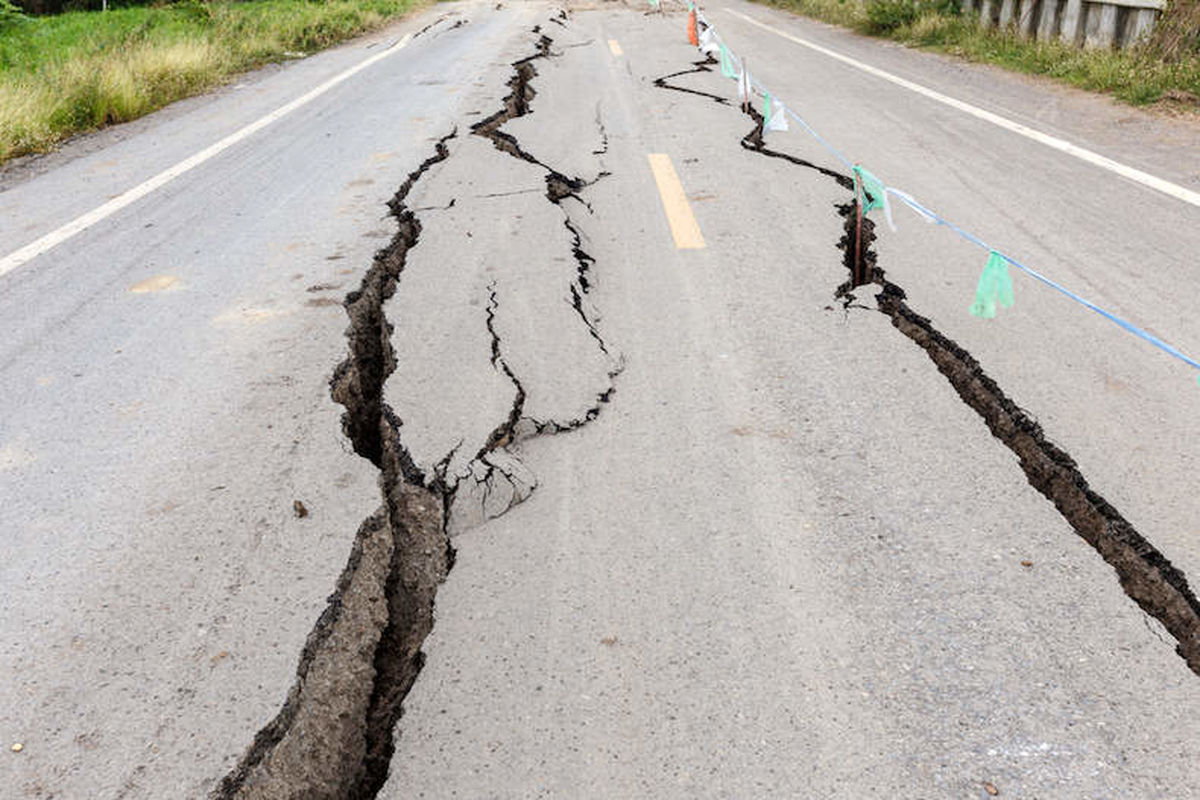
(79, 70)
(1138, 75)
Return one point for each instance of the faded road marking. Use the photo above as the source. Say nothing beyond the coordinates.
(1062, 145)
(56, 237)
(615, 46)
(13, 456)
(156, 284)
(253, 314)
(684, 228)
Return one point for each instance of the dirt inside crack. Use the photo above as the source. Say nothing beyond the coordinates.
(1148, 578)
(334, 736)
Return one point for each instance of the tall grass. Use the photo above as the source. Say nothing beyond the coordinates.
(1136, 75)
(77, 71)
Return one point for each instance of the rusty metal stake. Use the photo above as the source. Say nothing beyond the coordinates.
(857, 273)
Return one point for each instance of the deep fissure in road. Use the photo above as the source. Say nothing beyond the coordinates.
(1146, 575)
(334, 736)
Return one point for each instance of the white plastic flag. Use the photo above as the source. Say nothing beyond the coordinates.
(911, 202)
(708, 43)
(744, 91)
(774, 114)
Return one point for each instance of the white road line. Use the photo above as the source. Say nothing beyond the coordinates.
(1082, 153)
(130, 196)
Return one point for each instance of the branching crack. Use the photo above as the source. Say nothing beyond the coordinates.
(334, 736)
(559, 187)
(1147, 577)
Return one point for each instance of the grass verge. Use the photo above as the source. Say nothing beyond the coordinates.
(73, 72)
(1136, 75)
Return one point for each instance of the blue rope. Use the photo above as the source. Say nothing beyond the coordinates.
(970, 237)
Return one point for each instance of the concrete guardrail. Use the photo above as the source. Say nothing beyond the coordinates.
(1113, 23)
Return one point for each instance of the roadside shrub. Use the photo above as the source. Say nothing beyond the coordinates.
(884, 16)
(8, 13)
(1177, 35)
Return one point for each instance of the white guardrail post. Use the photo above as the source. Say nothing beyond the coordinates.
(1091, 23)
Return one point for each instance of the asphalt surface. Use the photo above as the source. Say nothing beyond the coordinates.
(716, 534)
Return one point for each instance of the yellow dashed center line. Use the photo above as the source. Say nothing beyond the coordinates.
(615, 46)
(684, 227)
(158, 283)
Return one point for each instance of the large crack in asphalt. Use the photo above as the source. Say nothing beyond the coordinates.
(1148, 578)
(334, 735)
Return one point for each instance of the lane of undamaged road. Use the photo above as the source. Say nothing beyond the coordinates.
(167, 401)
(785, 559)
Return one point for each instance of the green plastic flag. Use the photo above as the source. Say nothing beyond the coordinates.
(995, 286)
(876, 194)
(727, 69)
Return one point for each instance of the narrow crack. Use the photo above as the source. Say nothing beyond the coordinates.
(1148, 578)
(697, 67)
(603, 149)
(458, 24)
(504, 432)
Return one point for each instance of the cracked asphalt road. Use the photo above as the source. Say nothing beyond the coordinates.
(707, 532)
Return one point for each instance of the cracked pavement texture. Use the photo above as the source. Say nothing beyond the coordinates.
(785, 560)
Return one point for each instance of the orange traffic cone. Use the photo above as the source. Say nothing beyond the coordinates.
(692, 37)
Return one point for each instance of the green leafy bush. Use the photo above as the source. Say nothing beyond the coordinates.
(884, 16)
(8, 13)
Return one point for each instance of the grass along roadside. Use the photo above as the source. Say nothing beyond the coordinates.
(1137, 75)
(73, 72)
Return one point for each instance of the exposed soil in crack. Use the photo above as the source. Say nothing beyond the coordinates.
(1147, 577)
(1145, 574)
(334, 736)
